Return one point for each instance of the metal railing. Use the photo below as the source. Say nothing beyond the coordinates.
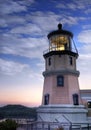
(57, 49)
(58, 126)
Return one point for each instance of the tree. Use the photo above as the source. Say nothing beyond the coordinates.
(8, 125)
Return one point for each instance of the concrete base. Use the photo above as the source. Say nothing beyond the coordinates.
(68, 114)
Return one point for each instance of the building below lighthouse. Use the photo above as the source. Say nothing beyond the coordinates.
(61, 100)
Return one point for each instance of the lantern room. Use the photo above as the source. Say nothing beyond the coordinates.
(61, 40)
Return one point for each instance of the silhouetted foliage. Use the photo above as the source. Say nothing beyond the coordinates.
(8, 125)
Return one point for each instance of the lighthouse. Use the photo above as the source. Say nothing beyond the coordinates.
(61, 76)
(61, 100)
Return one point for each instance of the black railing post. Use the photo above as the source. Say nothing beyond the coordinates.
(31, 126)
(88, 126)
(42, 126)
(48, 126)
(70, 127)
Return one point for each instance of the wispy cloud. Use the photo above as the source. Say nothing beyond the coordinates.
(85, 36)
(10, 6)
(11, 68)
(85, 51)
(27, 47)
(29, 28)
(74, 5)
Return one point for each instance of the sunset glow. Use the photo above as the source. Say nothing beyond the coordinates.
(25, 25)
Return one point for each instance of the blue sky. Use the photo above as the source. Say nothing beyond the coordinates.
(24, 25)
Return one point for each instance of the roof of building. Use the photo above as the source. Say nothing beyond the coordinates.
(85, 91)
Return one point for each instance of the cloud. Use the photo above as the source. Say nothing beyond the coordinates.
(45, 20)
(3, 23)
(27, 47)
(11, 68)
(85, 63)
(27, 35)
(11, 12)
(49, 20)
(74, 5)
(70, 20)
(10, 6)
(85, 36)
(88, 11)
(12, 21)
(85, 52)
(30, 29)
(87, 26)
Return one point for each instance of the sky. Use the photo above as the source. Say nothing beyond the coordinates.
(24, 26)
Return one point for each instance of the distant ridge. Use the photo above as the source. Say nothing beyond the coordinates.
(17, 111)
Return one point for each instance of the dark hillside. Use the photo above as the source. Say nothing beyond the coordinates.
(17, 111)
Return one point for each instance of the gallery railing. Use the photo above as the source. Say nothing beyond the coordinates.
(61, 50)
(58, 126)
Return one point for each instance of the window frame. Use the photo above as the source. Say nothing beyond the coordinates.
(60, 81)
(49, 61)
(46, 99)
(75, 99)
(89, 104)
(71, 60)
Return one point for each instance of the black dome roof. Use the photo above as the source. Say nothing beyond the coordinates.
(60, 31)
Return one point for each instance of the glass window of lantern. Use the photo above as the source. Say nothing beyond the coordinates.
(59, 42)
(52, 44)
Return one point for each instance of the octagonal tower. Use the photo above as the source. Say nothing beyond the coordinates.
(61, 100)
(61, 76)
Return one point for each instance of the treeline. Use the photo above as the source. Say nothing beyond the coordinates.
(17, 111)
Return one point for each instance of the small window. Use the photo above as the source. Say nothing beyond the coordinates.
(49, 61)
(70, 60)
(89, 104)
(46, 99)
(75, 99)
(60, 81)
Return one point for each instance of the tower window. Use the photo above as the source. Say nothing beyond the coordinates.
(60, 80)
(46, 99)
(70, 60)
(75, 99)
(49, 61)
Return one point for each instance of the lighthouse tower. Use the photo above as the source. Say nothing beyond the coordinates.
(61, 94)
(60, 76)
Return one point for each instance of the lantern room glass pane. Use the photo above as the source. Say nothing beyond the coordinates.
(59, 42)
